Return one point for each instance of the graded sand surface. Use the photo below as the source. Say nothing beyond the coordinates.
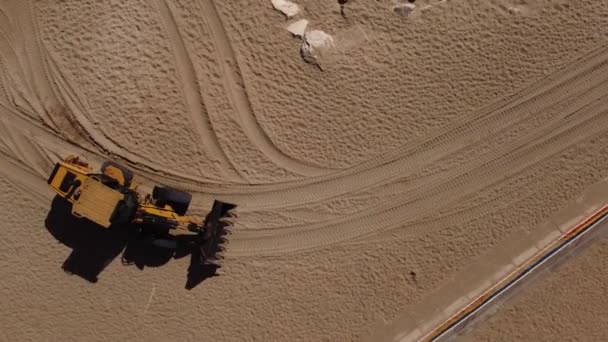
(551, 311)
(422, 143)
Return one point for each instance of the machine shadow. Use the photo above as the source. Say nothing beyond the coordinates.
(94, 248)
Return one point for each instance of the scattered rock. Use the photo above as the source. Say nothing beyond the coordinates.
(313, 45)
(297, 28)
(288, 8)
(404, 9)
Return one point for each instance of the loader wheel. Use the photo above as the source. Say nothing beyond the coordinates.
(179, 200)
(162, 240)
(164, 243)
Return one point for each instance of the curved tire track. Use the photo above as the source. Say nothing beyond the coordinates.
(443, 142)
(234, 85)
(538, 124)
(521, 133)
(389, 218)
(394, 164)
(427, 196)
(191, 92)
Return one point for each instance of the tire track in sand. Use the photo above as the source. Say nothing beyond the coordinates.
(395, 216)
(13, 88)
(234, 85)
(191, 92)
(20, 174)
(421, 199)
(445, 141)
(442, 142)
(4, 28)
(461, 184)
(541, 125)
(538, 123)
(4, 96)
(104, 145)
(594, 118)
(560, 90)
(36, 74)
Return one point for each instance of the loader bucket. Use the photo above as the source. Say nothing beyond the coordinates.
(214, 232)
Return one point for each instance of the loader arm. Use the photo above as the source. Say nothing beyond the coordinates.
(208, 235)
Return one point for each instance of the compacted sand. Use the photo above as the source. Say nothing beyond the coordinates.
(422, 143)
(551, 311)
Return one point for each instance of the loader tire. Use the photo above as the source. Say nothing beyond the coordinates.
(164, 243)
(178, 200)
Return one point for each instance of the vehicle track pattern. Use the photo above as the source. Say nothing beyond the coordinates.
(236, 88)
(487, 158)
(191, 92)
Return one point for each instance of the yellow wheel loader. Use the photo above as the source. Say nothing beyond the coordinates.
(110, 198)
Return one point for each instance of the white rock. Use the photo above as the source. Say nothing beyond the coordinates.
(297, 28)
(404, 9)
(287, 7)
(318, 39)
(314, 43)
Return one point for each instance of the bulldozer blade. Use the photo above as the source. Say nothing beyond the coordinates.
(214, 230)
(212, 262)
(231, 212)
(228, 221)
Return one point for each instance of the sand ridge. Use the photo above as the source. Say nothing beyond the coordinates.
(416, 151)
